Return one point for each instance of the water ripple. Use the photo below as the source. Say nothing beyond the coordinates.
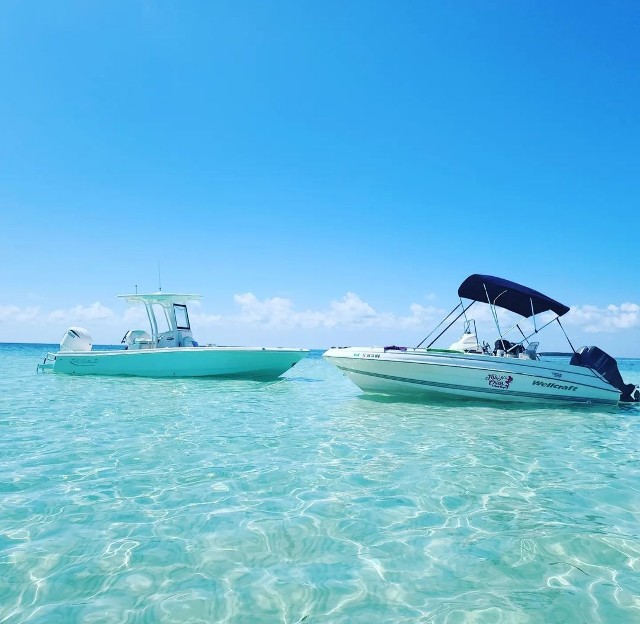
(302, 500)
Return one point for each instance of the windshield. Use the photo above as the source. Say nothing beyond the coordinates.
(182, 318)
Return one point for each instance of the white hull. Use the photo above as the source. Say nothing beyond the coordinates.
(247, 362)
(423, 372)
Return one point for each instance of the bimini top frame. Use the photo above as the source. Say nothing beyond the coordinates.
(508, 295)
(502, 293)
(171, 303)
(163, 299)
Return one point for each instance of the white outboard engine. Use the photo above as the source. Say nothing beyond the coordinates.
(596, 359)
(76, 339)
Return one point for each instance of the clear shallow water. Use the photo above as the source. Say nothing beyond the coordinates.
(301, 500)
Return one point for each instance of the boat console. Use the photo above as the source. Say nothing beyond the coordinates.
(167, 310)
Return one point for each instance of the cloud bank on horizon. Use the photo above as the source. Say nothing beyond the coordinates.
(350, 312)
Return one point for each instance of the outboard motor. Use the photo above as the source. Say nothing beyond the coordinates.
(76, 339)
(603, 363)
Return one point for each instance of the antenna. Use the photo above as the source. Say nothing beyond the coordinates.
(159, 280)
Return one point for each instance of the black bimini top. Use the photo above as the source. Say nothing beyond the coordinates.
(509, 295)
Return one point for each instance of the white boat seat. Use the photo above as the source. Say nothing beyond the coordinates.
(138, 335)
(468, 343)
(137, 339)
(530, 353)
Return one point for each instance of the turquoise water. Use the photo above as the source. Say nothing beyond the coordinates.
(301, 500)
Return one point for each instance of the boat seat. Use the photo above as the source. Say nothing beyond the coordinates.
(530, 353)
(467, 344)
(137, 339)
(507, 348)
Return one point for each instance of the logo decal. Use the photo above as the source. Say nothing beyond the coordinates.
(83, 361)
(499, 381)
(556, 386)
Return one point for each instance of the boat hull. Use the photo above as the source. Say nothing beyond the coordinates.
(245, 362)
(434, 373)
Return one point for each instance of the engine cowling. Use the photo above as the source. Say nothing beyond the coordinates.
(76, 339)
(596, 359)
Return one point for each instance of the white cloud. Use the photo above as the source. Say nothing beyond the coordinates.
(610, 319)
(350, 311)
(135, 315)
(274, 311)
(202, 319)
(93, 312)
(14, 313)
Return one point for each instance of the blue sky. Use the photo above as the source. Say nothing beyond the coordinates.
(322, 173)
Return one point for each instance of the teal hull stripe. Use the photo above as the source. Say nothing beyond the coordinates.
(513, 363)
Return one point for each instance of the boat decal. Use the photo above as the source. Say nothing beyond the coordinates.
(499, 381)
(550, 384)
(83, 361)
(479, 389)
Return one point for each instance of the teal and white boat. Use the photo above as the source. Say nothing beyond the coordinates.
(169, 350)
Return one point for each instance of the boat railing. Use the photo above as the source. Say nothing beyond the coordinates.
(47, 363)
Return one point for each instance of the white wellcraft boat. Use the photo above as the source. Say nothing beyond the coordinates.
(511, 371)
(169, 353)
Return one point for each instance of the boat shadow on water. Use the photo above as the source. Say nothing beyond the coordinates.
(628, 409)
